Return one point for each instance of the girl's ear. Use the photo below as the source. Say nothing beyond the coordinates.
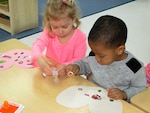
(74, 23)
(120, 49)
(74, 20)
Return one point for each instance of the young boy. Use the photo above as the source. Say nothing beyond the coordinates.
(112, 67)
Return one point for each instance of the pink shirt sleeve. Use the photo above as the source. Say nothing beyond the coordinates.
(39, 45)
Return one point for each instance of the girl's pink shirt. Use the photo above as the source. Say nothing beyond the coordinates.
(67, 53)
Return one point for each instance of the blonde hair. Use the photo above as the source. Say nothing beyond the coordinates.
(59, 9)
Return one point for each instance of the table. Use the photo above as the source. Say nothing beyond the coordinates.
(37, 94)
(142, 100)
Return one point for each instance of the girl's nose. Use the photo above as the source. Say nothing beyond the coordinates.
(60, 31)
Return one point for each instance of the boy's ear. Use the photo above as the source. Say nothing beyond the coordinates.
(120, 49)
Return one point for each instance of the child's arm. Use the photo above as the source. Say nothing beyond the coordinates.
(79, 67)
(38, 47)
(137, 84)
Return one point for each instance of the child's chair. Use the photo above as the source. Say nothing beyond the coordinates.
(148, 73)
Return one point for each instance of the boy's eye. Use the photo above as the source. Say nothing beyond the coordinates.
(100, 56)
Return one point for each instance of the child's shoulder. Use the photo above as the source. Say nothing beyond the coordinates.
(48, 34)
(133, 63)
(79, 32)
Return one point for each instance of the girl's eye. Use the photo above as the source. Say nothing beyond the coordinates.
(53, 27)
(65, 26)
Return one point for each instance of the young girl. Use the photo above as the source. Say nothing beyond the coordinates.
(63, 41)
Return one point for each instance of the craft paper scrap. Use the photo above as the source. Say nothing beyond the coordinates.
(5, 62)
(95, 97)
(10, 107)
(18, 57)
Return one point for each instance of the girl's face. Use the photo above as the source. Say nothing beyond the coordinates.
(104, 55)
(62, 27)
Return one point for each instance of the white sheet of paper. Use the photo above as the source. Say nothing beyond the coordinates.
(78, 96)
(73, 97)
(105, 106)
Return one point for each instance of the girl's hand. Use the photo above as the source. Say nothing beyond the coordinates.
(73, 68)
(116, 93)
(45, 66)
(61, 69)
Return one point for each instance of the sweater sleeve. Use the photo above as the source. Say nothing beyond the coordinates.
(137, 84)
(38, 46)
(84, 66)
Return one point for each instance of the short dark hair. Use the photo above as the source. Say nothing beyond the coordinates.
(109, 30)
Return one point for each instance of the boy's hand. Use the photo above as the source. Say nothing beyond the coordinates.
(116, 93)
(73, 68)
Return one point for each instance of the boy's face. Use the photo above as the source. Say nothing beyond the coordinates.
(105, 55)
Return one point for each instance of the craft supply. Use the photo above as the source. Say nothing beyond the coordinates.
(18, 57)
(80, 89)
(55, 74)
(97, 102)
(1, 55)
(6, 105)
(86, 94)
(10, 107)
(96, 97)
(43, 75)
(70, 74)
(111, 100)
